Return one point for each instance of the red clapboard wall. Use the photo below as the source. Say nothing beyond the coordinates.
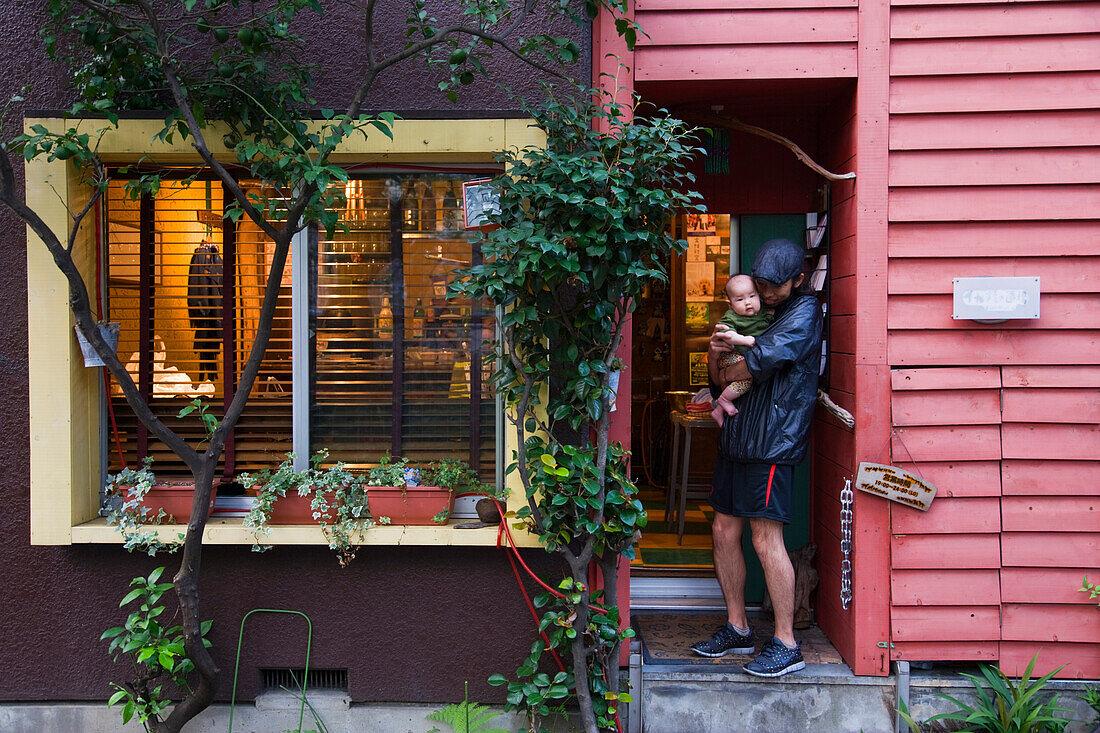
(833, 444)
(994, 169)
(945, 563)
(745, 39)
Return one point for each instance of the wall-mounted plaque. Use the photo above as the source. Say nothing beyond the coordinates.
(994, 299)
(891, 482)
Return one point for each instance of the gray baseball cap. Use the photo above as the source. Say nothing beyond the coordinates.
(778, 261)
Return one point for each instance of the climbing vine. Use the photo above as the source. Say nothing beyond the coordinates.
(583, 229)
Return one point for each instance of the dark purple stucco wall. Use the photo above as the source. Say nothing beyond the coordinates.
(409, 623)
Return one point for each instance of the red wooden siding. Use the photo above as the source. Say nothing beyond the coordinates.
(972, 130)
(834, 445)
(1040, 477)
(948, 422)
(976, 93)
(995, 170)
(745, 39)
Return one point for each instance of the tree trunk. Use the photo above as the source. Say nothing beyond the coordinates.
(187, 590)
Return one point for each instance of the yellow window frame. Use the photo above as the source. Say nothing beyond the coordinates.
(65, 395)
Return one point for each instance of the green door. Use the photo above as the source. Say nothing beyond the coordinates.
(754, 231)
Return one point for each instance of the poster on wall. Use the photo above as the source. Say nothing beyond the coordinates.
(697, 316)
(699, 280)
(701, 223)
(702, 245)
(697, 369)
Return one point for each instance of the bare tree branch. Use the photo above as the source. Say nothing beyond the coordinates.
(80, 303)
(731, 123)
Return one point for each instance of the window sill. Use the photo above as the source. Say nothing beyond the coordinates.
(232, 532)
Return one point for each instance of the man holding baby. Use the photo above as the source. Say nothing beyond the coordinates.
(759, 446)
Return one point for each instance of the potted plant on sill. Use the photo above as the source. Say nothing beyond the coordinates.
(400, 493)
(136, 500)
(332, 497)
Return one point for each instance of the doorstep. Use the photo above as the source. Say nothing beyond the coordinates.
(686, 693)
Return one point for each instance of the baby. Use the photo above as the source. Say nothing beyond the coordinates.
(746, 319)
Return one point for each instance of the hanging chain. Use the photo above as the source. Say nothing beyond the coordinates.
(846, 497)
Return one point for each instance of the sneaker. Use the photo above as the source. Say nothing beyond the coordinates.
(724, 641)
(776, 660)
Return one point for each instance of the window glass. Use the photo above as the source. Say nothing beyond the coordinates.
(390, 354)
(171, 253)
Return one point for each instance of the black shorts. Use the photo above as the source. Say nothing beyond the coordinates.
(752, 490)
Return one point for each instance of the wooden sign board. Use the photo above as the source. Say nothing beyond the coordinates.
(895, 484)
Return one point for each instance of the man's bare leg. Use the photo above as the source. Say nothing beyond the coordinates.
(729, 566)
(767, 539)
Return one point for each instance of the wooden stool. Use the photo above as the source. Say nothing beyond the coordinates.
(676, 497)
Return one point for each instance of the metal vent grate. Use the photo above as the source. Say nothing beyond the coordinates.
(291, 679)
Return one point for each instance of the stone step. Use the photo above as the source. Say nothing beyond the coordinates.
(823, 697)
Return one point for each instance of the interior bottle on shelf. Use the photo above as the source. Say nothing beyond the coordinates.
(449, 220)
(412, 210)
(385, 319)
(418, 319)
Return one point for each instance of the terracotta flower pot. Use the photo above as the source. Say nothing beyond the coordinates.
(293, 509)
(174, 499)
(413, 505)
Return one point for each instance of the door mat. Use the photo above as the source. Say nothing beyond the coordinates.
(667, 638)
(676, 557)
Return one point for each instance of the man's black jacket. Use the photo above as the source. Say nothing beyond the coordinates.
(773, 418)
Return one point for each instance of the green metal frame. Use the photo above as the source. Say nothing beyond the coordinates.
(237, 663)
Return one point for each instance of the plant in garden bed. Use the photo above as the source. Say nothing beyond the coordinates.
(155, 651)
(1091, 696)
(337, 501)
(1015, 706)
(583, 229)
(466, 717)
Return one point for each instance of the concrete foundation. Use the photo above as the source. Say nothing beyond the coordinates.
(820, 698)
(271, 713)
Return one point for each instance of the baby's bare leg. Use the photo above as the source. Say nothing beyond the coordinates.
(719, 413)
(724, 406)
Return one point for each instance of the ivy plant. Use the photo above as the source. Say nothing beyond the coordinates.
(583, 228)
(339, 502)
(126, 511)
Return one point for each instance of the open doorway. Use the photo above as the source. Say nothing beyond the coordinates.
(755, 189)
(670, 345)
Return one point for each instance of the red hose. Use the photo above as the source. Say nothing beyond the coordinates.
(503, 528)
